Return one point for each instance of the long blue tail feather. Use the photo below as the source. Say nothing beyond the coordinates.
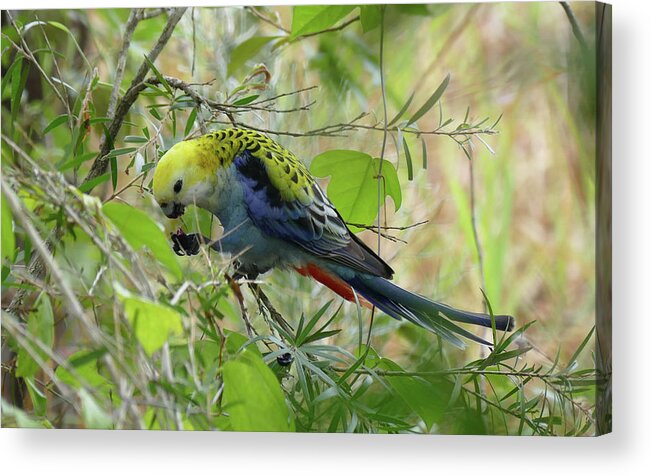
(399, 303)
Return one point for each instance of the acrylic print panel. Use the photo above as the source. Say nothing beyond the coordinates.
(369, 219)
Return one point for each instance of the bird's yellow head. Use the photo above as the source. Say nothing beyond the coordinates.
(186, 174)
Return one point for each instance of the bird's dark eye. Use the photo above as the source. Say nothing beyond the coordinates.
(178, 185)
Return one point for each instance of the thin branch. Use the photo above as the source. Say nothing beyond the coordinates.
(380, 178)
(456, 371)
(101, 162)
(328, 30)
(273, 98)
(132, 23)
(266, 19)
(339, 130)
(276, 24)
(265, 303)
(153, 13)
(398, 228)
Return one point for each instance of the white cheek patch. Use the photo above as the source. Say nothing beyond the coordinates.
(198, 193)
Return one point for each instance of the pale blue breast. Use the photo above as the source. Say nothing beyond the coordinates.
(241, 238)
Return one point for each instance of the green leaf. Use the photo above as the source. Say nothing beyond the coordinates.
(152, 323)
(135, 140)
(40, 328)
(91, 184)
(402, 111)
(8, 75)
(245, 51)
(246, 100)
(86, 373)
(39, 400)
(18, 81)
(60, 26)
(8, 238)
(56, 122)
(308, 19)
(417, 9)
(93, 415)
(422, 140)
(21, 418)
(253, 396)
(191, 118)
(353, 186)
(421, 396)
(158, 75)
(370, 16)
(121, 151)
(235, 341)
(579, 349)
(433, 99)
(139, 230)
(410, 165)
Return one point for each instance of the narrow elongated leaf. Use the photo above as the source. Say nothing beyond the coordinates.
(18, 81)
(191, 119)
(8, 237)
(135, 139)
(424, 153)
(56, 122)
(7, 77)
(158, 75)
(91, 184)
(410, 166)
(121, 151)
(246, 100)
(402, 111)
(433, 99)
(579, 349)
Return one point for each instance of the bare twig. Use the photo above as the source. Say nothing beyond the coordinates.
(339, 130)
(266, 19)
(328, 30)
(132, 23)
(278, 96)
(398, 228)
(265, 303)
(154, 12)
(380, 178)
(101, 162)
(276, 24)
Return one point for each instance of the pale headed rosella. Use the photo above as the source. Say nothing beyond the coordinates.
(274, 214)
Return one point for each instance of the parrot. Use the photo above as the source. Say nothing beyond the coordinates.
(274, 214)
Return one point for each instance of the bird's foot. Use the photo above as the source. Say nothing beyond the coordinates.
(242, 272)
(184, 244)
